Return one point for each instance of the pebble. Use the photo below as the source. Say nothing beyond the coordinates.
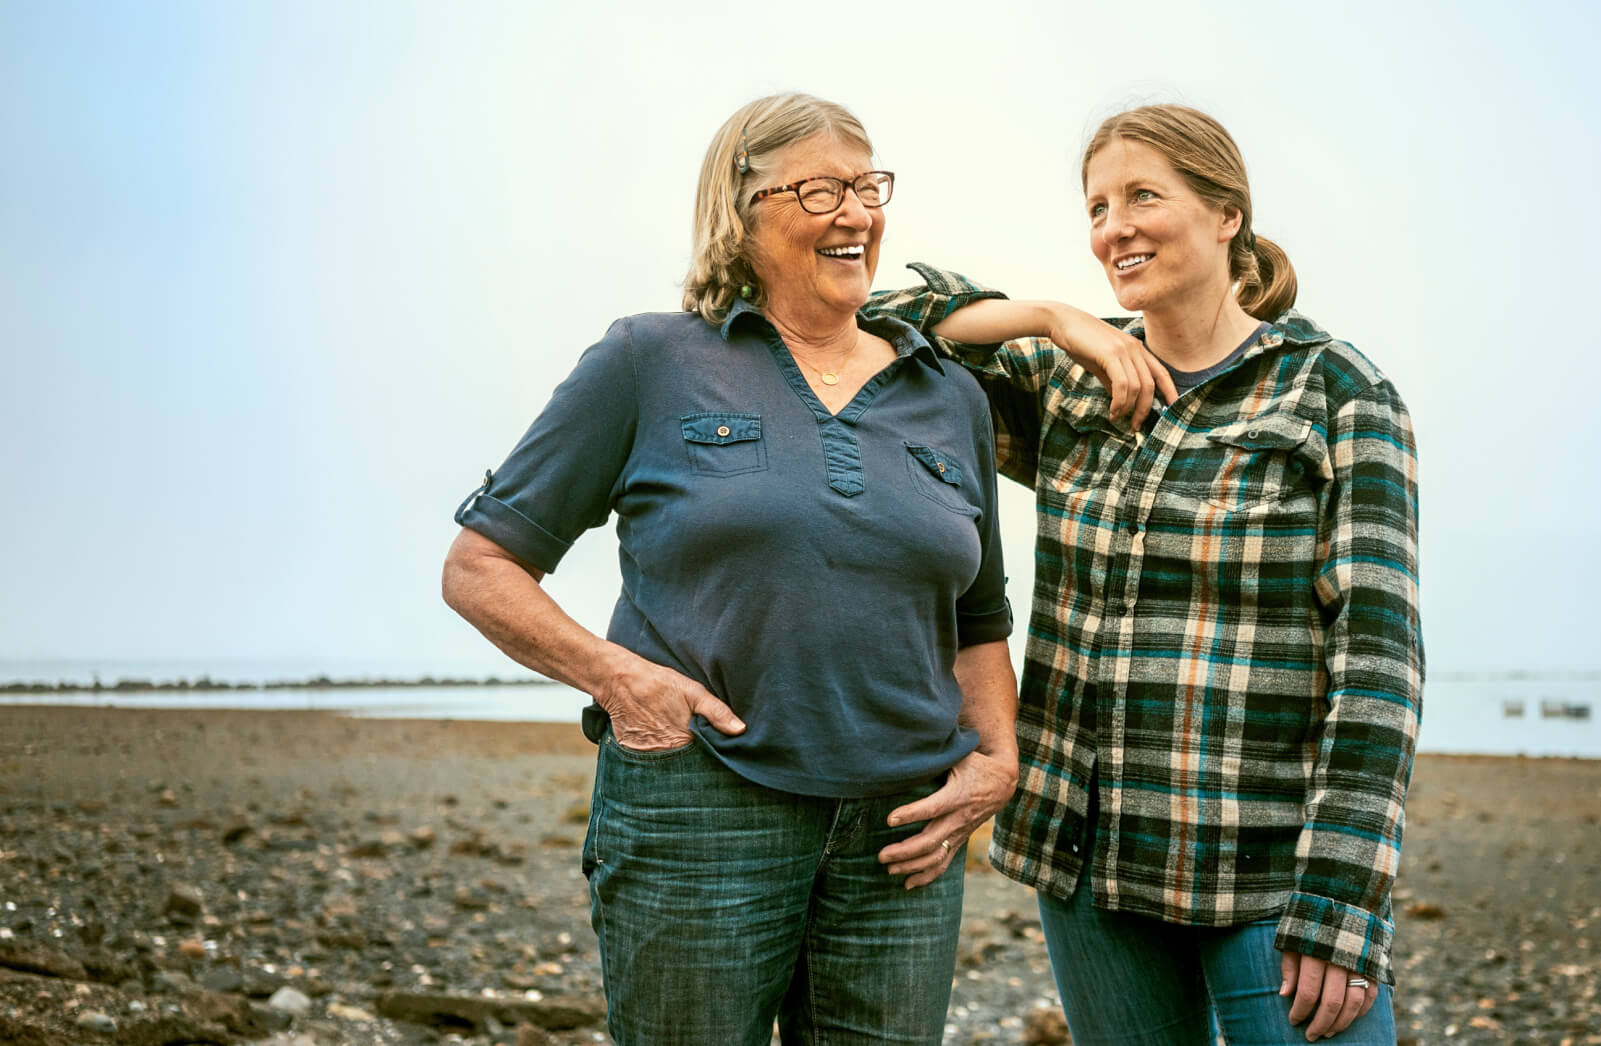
(95, 1021)
(288, 1000)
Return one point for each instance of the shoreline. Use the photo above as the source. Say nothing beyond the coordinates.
(204, 684)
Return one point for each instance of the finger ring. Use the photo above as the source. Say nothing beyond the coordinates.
(945, 844)
(1357, 982)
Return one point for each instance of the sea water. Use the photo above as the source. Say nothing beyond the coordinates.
(1461, 714)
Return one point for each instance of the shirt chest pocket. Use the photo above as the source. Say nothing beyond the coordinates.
(1248, 464)
(936, 475)
(723, 444)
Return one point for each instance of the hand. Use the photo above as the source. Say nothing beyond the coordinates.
(1323, 992)
(974, 790)
(651, 705)
(1129, 371)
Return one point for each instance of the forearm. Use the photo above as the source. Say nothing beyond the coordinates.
(994, 320)
(989, 700)
(505, 601)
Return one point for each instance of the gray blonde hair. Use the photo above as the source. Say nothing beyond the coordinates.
(718, 266)
(1204, 154)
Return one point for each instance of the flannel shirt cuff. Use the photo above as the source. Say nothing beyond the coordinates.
(924, 308)
(1337, 933)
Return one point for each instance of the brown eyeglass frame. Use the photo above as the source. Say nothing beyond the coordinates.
(794, 187)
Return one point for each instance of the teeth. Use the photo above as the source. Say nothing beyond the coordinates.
(1135, 260)
(841, 252)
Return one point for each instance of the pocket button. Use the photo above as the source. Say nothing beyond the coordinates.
(723, 430)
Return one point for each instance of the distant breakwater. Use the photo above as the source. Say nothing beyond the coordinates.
(206, 683)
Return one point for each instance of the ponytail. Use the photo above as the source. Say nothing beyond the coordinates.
(1267, 285)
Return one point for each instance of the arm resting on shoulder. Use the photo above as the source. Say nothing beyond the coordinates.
(980, 784)
(502, 597)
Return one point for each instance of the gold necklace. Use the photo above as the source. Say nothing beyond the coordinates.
(831, 377)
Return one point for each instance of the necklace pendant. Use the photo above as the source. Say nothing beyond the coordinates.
(830, 378)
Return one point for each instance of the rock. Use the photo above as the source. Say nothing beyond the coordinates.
(222, 979)
(1425, 910)
(235, 831)
(289, 1000)
(556, 1012)
(172, 982)
(95, 1021)
(168, 797)
(368, 848)
(533, 1035)
(1045, 1027)
(422, 837)
(258, 984)
(192, 948)
(41, 959)
(349, 1013)
(183, 901)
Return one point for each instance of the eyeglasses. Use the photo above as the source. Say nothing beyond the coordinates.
(822, 195)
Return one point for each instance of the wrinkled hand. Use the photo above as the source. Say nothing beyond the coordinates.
(1322, 992)
(651, 705)
(974, 790)
(1129, 371)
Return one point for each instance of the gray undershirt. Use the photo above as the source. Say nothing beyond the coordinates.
(1185, 380)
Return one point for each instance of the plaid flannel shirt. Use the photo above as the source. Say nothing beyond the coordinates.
(1225, 629)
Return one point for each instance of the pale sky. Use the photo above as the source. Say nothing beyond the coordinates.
(278, 281)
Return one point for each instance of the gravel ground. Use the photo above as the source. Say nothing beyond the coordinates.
(301, 879)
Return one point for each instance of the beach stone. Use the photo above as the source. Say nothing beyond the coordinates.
(347, 1012)
(533, 1035)
(41, 959)
(289, 1000)
(183, 901)
(556, 1012)
(368, 848)
(222, 979)
(174, 982)
(192, 949)
(422, 837)
(95, 1021)
(1045, 1027)
(258, 984)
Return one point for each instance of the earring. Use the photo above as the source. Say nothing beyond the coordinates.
(746, 292)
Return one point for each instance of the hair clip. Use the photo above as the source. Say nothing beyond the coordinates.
(742, 154)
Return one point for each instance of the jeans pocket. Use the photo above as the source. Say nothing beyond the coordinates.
(649, 755)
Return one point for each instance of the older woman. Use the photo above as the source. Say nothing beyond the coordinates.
(1224, 673)
(804, 702)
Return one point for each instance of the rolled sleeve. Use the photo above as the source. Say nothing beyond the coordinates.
(1367, 584)
(564, 475)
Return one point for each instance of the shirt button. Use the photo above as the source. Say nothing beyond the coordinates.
(1133, 527)
(1122, 610)
(723, 430)
(1251, 434)
(941, 466)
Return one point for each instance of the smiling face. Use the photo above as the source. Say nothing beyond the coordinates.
(815, 268)
(1163, 247)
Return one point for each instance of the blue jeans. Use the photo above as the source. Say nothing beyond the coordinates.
(1138, 981)
(722, 905)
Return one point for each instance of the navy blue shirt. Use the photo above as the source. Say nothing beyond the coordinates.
(817, 572)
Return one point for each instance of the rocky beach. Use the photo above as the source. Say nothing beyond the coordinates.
(305, 879)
